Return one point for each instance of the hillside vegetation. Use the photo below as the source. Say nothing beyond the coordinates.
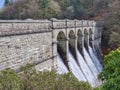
(107, 11)
(111, 72)
(111, 26)
(40, 9)
(29, 79)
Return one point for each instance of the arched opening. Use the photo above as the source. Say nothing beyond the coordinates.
(86, 39)
(72, 44)
(62, 47)
(80, 41)
(91, 37)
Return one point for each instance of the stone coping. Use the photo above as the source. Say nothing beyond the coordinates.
(28, 26)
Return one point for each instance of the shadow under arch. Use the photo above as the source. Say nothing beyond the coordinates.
(72, 44)
(91, 37)
(86, 39)
(80, 41)
(62, 47)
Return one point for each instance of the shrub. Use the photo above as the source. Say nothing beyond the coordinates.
(111, 71)
(10, 80)
(30, 79)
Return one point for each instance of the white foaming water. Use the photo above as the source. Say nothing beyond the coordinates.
(61, 66)
(95, 60)
(75, 69)
(86, 70)
(90, 62)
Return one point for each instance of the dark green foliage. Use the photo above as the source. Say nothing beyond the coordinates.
(78, 8)
(98, 88)
(10, 80)
(40, 9)
(42, 4)
(111, 71)
(111, 31)
(29, 79)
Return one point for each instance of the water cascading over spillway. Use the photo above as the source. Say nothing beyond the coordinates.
(61, 54)
(83, 63)
(97, 52)
(61, 66)
(72, 57)
(90, 62)
(86, 70)
(95, 59)
(94, 54)
(88, 41)
(75, 69)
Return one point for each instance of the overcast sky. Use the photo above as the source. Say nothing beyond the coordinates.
(1, 3)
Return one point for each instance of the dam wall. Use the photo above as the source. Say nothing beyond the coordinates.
(59, 45)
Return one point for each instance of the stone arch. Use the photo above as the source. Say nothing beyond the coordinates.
(91, 37)
(86, 32)
(61, 36)
(71, 34)
(86, 39)
(62, 47)
(80, 41)
(72, 44)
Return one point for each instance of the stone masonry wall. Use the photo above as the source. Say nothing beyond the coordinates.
(32, 41)
(21, 49)
(22, 42)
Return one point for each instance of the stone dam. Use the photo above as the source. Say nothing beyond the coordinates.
(60, 45)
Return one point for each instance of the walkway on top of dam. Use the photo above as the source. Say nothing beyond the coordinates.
(18, 27)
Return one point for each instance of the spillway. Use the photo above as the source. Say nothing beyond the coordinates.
(90, 62)
(61, 66)
(86, 70)
(75, 69)
(95, 59)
